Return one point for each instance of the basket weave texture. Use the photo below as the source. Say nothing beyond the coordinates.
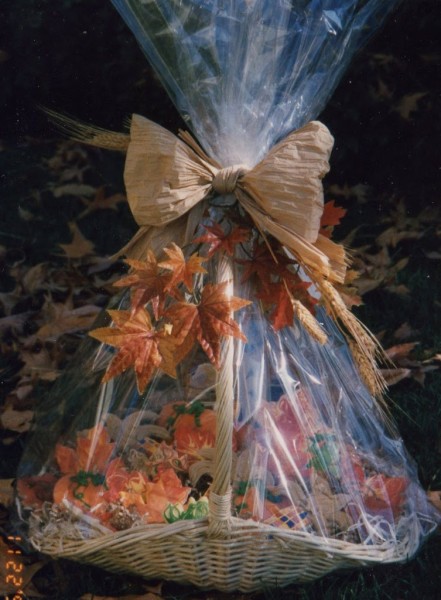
(251, 557)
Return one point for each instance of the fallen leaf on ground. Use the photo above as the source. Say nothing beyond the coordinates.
(394, 376)
(407, 367)
(393, 236)
(409, 104)
(79, 247)
(435, 498)
(62, 318)
(433, 255)
(6, 492)
(14, 322)
(359, 191)
(405, 331)
(400, 351)
(101, 201)
(17, 420)
(39, 365)
(74, 189)
(35, 278)
(381, 92)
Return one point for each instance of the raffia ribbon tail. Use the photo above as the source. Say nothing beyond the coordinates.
(365, 348)
(89, 134)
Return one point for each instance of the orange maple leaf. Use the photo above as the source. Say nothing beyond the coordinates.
(139, 345)
(221, 241)
(147, 282)
(182, 270)
(206, 322)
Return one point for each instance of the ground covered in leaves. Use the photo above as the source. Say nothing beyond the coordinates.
(64, 214)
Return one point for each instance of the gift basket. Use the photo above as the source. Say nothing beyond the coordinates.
(223, 423)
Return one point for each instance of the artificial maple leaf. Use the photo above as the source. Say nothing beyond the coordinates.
(331, 216)
(208, 321)
(79, 247)
(221, 241)
(299, 289)
(183, 270)
(265, 266)
(279, 296)
(138, 344)
(147, 282)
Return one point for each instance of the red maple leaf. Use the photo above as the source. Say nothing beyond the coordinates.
(138, 343)
(182, 270)
(265, 267)
(221, 241)
(279, 297)
(207, 322)
(300, 291)
(331, 216)
(147, 282)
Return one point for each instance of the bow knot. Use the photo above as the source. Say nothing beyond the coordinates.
(225, 180)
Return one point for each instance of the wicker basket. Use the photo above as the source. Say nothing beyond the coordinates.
(222, 551)
(248, 557)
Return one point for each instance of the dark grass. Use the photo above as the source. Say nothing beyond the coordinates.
(101, 77)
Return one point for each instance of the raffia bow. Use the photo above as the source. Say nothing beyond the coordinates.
(168, 177)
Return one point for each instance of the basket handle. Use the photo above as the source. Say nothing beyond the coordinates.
(220, 495)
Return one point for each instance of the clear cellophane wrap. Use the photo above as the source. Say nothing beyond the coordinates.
(224, 386)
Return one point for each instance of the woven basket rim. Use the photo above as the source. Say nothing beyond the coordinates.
(381, 552)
